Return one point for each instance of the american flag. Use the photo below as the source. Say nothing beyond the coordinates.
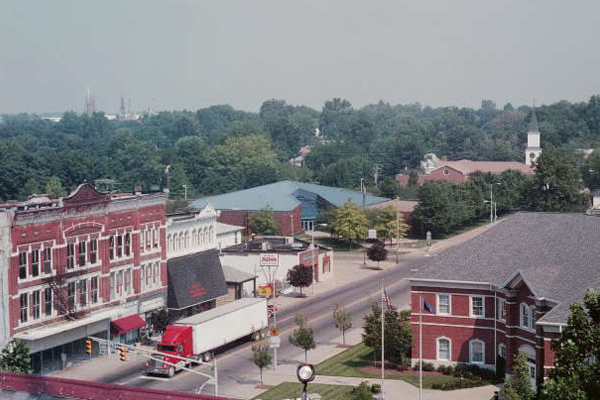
(386, 300)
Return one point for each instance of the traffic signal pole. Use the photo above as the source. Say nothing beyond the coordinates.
(123, 348)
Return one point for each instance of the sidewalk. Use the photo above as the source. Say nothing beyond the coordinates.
(244, 385)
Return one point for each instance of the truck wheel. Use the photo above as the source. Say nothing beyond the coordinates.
(171, 372)
(206, 357)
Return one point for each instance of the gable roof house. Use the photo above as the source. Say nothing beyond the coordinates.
(505, 291)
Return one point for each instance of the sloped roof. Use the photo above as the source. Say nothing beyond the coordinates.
(280, 196)
(226, 228)
(494, 167)
(400, 205)
(556, 254)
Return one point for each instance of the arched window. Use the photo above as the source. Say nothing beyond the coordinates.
(180, 241)
(443, 349)
(194, 239)
(502, 350)
(205, 236)
(210, 234)
(477, 352)
(169, 242)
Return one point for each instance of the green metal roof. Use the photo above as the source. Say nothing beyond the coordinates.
(281, 196)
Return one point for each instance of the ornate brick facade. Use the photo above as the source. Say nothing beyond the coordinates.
(82, 254)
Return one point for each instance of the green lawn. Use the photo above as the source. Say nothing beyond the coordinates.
(350, 363)
(291, 390)
(334, 243)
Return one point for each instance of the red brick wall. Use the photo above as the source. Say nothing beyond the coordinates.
(242, 218)
(451, 176)
(58, 233)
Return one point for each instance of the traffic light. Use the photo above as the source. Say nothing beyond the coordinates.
(88, 346)
(123, 353)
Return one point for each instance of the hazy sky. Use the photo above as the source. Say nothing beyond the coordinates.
(194, 53)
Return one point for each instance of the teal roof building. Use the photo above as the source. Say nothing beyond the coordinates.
(284, 196)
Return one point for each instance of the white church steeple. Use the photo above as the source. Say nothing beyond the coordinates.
(533, 150)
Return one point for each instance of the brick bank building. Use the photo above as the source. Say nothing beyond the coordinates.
(506, 291)
(91, 263)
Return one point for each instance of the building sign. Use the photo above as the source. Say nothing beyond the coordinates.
(269, 260)
(265, 291)
(196, 291)
(372, 233)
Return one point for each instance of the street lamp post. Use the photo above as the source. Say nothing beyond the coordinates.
(305, 374)
(493, 213)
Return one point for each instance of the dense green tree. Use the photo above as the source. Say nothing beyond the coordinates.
(398, 334)
(342, 320)
(302, 336)
(350, 222)
(261, 357)
(264, 222)
(577, 354)
(179, 185)
(362, 392)
(390, 224)
(377, 252)
(518, 384)
(54, 187)
(15, 357)
(300, 276)
(557, 183)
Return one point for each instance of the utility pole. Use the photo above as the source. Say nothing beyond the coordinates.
(491, 203)
(397, 228)
(184, 192)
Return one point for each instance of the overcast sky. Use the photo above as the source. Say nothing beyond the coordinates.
(176, 54)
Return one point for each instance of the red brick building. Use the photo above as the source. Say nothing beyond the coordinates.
(90, 263)
(505, 291)
(460, 171)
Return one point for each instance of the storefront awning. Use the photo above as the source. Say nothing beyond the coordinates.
(127, 324)
(195, 279)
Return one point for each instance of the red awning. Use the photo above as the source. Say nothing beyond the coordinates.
(127, 324)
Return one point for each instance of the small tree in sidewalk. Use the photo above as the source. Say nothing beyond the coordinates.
(261, 357)
(342, 320)
(300, 277)
(302, 336)
(377, 252)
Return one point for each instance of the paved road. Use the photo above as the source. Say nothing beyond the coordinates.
(237, 362)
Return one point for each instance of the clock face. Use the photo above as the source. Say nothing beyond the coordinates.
(532, 156)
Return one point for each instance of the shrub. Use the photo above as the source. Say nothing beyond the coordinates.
(448, 386)
(446, 369)
(428, 367)
(375, 388)
(436, 386)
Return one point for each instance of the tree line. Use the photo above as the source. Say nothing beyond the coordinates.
(219, 149)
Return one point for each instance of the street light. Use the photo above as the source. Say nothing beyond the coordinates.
(312, 244)
(492, 204)
(305, 374)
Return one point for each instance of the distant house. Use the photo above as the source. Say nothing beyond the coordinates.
(294, 204)
(404, 207)
(505, 291)
(435, 169)
(460, 171)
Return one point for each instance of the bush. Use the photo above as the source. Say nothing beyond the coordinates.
(362, 392)
(448, 386)
(376, 388)
(436, 386)
(426, 366)
(446, 369)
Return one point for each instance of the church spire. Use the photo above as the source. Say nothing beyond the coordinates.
(533, 124)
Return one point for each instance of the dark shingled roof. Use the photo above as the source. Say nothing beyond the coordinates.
(194, 279)
(558, 255)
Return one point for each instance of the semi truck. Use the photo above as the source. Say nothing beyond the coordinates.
(198, 336)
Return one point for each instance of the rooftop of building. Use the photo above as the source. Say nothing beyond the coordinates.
(556, 255)
(282, 196)
(274, 244)
(227, 228)
(494, 167)
(400, 205)
(16, 386)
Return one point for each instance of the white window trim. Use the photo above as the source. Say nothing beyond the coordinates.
(437, 304)
(471, 307)
(530, 318)
(501, 310)
(471, 351)
(437, 348)
(501, 346)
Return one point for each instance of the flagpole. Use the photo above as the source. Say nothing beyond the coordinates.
(420, 347)
(382, 342)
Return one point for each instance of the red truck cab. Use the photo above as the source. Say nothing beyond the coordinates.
(177, 340)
